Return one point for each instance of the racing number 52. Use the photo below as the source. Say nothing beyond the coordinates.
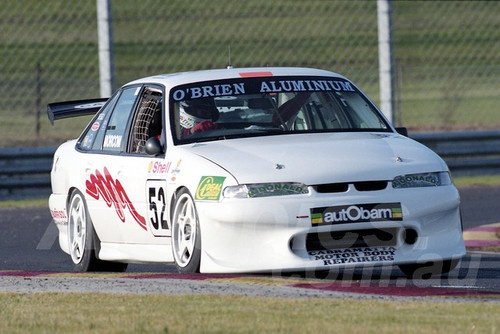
(157, 206)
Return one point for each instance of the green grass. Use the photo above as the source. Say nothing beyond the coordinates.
(21, 203)
(106, 313)
(447, 55)
(477, 181)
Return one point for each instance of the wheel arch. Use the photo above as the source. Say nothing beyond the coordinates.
(173, 199)
(71, 190)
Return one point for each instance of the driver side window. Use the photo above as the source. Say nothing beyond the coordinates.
(148, 120)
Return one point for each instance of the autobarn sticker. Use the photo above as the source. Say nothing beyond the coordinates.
(356, 213)
(209, 188)
(261, 85)
(103, 186)
(330, 257)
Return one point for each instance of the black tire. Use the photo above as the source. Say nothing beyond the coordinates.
(186, 237)
(83, 241)
(428, 269)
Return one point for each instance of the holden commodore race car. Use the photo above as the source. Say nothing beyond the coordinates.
(249, 170)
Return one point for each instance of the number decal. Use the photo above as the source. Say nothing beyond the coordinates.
(153, 208)
(157, 212)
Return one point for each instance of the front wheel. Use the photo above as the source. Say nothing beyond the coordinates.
(428, 269)
(186, 238)
(83, 240)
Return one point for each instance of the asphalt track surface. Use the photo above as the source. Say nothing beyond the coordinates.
(30, 260)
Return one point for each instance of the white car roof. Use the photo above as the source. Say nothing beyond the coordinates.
(180, 78)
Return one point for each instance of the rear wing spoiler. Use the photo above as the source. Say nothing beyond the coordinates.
(60, 110)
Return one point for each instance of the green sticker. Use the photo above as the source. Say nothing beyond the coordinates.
(209, 188)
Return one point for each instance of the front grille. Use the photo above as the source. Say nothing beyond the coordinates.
(350, 239)
(370, 185)
(332, 188)
(342, 187)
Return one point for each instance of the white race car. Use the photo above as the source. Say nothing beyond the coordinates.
(250, 170)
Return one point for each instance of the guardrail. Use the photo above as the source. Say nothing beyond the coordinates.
(466, 153)
(25, 172)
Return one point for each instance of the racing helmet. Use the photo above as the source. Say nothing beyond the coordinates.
(193, 112)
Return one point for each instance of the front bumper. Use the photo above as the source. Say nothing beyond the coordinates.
(276, 233)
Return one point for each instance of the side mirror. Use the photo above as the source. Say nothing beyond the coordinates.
(402, 131)
(153, 146)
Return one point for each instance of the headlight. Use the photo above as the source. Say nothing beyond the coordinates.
(265, 189)
(422, 180)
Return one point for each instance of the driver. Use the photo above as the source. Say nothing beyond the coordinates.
(198, 115)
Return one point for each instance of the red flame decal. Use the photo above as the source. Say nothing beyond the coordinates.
(112, 193)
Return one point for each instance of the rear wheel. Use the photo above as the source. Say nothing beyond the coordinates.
(83, 241)
(428, 269)
(186, 242)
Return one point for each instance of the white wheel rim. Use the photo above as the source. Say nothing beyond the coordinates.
(77, 229)
(184, 230)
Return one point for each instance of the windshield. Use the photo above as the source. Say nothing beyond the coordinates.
(269, 106)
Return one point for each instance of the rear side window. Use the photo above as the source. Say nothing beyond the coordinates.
(92, 138)
(115, 136)
(109, 129)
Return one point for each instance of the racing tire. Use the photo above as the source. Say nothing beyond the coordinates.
(83, 241)
(428, 269)
(186, 236)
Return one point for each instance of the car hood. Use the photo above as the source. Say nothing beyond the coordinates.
(320, 158)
